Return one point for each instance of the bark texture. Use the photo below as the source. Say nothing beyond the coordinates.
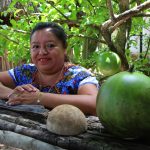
(30, 127)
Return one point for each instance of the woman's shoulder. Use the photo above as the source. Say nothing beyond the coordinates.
(80, 75)
(22, 74)
(23, 70)
(75, 69)
(26, 67)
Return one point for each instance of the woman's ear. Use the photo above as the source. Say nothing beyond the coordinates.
(31, 60)
(66, 58)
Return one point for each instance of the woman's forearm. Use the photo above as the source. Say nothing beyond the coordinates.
(86, 103)
(85, 99)
(4, 91)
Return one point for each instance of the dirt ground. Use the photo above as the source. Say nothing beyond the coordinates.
(5, 147)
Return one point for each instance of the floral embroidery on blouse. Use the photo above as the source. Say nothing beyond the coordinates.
(69, 84)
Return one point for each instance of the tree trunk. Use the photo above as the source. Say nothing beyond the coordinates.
(121, 37)
(24, 142)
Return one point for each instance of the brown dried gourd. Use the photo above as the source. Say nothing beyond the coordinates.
(66, 119)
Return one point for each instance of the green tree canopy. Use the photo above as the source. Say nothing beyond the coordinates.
(92, 26)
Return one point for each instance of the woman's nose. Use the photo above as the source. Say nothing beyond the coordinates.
(43, 50)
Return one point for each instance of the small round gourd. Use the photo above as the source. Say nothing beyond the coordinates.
(108, 63)
(66, 119)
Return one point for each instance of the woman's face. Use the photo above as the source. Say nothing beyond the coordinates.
(47, 51)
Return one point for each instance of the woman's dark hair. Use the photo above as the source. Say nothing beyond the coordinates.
(55, 29)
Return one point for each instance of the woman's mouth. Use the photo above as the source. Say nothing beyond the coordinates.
(44, 60)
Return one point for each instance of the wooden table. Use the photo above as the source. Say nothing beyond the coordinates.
(27, 130)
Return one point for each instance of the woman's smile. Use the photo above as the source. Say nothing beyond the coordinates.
(44, 60)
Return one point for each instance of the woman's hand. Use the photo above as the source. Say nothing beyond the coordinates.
(26, 87)
(25, 94)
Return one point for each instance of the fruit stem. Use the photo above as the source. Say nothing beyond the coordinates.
(131, 68)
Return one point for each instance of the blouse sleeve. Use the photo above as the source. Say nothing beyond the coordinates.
(89, 80)
(22, 74)
(82, 76)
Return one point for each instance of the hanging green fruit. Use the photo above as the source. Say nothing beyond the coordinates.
(108, 63)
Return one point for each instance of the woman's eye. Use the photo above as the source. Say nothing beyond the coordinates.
(35, 46)
(50, 45)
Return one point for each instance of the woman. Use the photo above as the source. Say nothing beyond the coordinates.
(50, 80)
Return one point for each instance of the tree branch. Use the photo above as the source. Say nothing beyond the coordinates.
(52, 4)
(143, 15)
(147, 48)
(92, 6)
(21, 31)
(95, 138)
(26, 13)
(6, 37)
(134, 11)
(87, 37)
(109, 4)
(24, 142)
(91, 3)
(15, 30)
(120, 19)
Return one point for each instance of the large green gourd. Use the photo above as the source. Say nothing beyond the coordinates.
(123, 105)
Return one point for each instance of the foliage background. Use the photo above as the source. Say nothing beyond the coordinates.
(82, 21)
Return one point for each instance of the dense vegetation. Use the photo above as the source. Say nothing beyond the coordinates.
(92, 26)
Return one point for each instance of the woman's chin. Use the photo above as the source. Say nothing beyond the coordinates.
(45, 67)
